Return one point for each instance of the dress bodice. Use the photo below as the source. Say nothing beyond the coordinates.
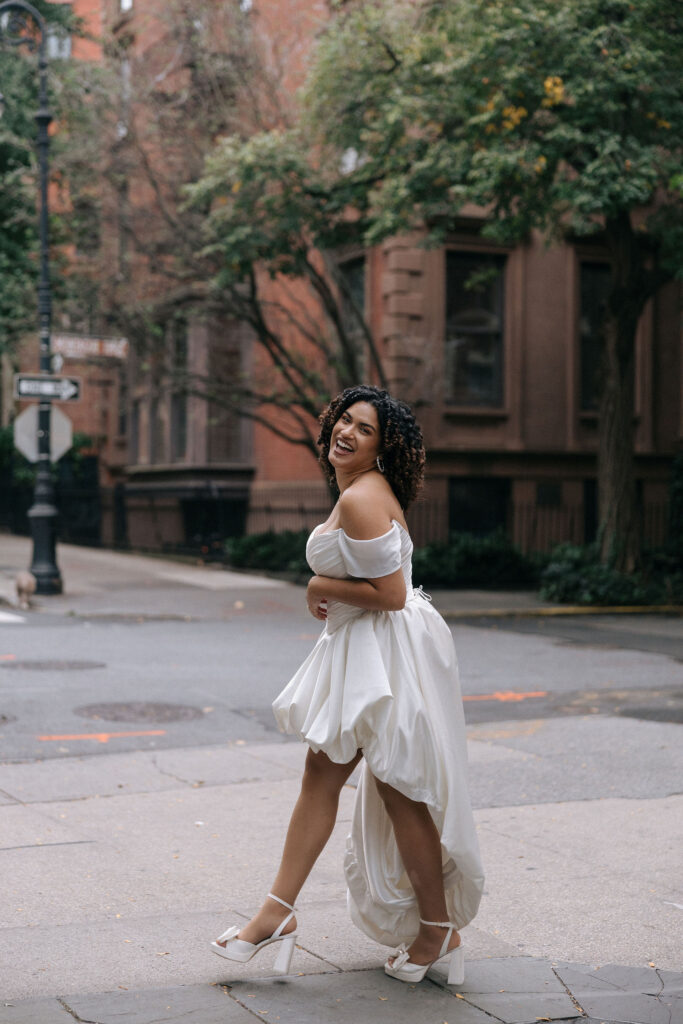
(334, 553)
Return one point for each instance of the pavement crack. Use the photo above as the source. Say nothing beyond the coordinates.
(562, 982)
(70, 1010)
(171, 775)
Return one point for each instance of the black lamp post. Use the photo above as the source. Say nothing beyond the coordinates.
(43, 513)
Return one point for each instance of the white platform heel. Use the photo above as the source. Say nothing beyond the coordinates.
(403, 969)
(241, 952)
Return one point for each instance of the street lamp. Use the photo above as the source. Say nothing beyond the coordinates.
(15, 19)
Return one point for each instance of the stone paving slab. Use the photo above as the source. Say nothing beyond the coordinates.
(34, 1011)
(517, 991)
(361, 997)
(147, 772)
(504, 990)
(195, 1004)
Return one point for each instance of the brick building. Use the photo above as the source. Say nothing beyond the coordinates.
(503, 376)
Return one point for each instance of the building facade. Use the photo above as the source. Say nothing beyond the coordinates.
(497, 348)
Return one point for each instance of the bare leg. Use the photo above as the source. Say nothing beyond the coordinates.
(310, 826)
(418, 842)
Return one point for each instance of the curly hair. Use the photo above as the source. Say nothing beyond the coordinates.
(401, 445)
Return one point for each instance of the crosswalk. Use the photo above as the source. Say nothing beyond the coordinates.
(11, 618)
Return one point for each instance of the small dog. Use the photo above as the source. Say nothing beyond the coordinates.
(26, 588)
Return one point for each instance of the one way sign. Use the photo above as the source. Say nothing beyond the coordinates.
(59, 389)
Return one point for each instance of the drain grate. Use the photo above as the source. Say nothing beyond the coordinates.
(51, 665)
(139, 711)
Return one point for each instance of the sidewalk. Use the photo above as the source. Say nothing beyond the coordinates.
(118, 868)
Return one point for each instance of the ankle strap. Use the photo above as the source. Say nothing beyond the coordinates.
(277, 899)
(442, 924)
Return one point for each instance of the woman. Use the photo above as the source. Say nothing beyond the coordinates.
(380, 684)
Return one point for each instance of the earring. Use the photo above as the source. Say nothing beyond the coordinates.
(380, 464)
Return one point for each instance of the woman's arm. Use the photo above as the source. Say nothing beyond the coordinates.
(362, 517)
(385, 594)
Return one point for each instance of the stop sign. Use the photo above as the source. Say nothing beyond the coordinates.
(26, 433)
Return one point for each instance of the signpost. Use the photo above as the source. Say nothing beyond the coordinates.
(44, 386)
(26, 433)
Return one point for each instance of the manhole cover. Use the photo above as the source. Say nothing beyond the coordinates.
(52, 665)
(139, 711)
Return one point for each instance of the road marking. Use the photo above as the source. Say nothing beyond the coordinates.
(8, 657)
(11, 617)
(102, 737)
(506, 695)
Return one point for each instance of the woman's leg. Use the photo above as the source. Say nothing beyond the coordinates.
(419, 844)
(310, 826)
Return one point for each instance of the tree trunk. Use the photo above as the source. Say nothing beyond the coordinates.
(619, 535)
(632, 284)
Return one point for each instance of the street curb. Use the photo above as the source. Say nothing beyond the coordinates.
(564, 611)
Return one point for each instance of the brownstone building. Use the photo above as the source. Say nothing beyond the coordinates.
(503, 376)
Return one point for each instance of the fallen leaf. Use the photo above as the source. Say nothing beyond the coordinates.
(383, 998)
(163, 954)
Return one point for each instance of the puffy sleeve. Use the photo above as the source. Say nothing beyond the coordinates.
(370, 559)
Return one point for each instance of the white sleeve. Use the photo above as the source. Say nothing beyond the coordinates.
(370, 559)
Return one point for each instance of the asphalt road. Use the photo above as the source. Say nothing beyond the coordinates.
(201, 667)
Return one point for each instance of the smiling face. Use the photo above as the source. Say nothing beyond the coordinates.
(355, 442)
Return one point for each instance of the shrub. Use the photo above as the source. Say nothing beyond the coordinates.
(468, 560)
(574, 575)
(271, 552)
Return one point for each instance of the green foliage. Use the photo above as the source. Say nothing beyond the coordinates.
(490, 562)
(18, 471)
(575, 575)
(465, 561)
(72, 93)
(270, 552)
(553, 114)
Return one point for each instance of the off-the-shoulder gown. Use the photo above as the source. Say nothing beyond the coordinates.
(387, 683)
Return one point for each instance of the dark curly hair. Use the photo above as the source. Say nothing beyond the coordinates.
(401, 445)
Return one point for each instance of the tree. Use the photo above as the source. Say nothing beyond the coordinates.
(209, 75)
(560, 115)
(72, 94)
(275, 225)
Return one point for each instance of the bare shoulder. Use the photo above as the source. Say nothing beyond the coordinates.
(367, 508)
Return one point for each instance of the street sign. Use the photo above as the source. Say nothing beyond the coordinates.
(26, 433)
(80, 346)
(42, 385)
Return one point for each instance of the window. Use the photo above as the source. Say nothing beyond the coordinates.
(478, 505)
(352, 274)
(594, 288)
(156, 432)
(122, 410)
(135, 432)
(474, 328)
(352, 289)
(179, 393)
(57, 43)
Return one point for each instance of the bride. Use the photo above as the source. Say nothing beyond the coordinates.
(381, 686)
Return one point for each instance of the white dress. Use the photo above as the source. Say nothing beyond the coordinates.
(387, 683)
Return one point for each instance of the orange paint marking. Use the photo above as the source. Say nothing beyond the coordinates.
(103, 737)
(8, 657)
(507, 695)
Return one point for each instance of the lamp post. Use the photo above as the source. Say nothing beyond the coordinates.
(43, 514)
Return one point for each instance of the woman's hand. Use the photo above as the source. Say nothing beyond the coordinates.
(315, 596)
